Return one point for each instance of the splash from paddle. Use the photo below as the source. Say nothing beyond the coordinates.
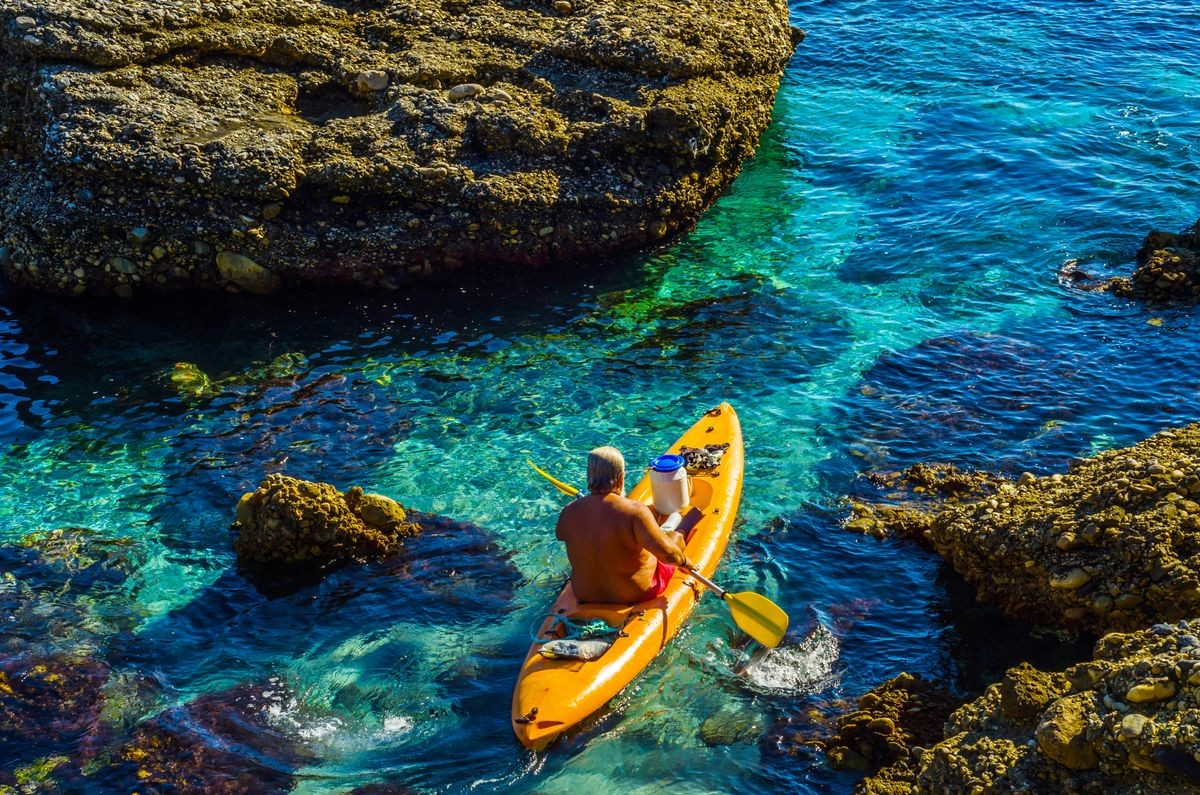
(755, 614)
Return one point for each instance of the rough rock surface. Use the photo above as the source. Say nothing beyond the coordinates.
(295, 523)
(1168, 269)
(903, 713)
(1112, 544)
(250, 144)
(917, 487)
(1127, 721)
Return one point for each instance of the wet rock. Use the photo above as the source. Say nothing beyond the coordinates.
(1168, 269)
(904, 713)
(1073, 731)
(1103, 546)
(222, 743)
(449, 138)
(913, 488)
(51, 705)
(294, 523)
(728, 727)
(246, 273)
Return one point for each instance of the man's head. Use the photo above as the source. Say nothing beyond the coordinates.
(606, 470)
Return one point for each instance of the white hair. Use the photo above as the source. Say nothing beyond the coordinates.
(606, 468)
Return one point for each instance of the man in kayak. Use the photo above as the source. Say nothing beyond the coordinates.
(618, 552)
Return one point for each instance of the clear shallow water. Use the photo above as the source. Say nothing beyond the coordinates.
(879, 287)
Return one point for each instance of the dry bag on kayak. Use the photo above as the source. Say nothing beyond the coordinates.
(579, 640)
(564, 649)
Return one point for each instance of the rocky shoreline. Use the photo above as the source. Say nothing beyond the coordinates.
(1110, 546)
(247, 146)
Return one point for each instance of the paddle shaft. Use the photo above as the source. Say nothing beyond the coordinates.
(718, 590)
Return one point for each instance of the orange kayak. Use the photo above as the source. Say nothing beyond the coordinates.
(552, 695)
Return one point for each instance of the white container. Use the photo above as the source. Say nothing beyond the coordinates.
(669, 483)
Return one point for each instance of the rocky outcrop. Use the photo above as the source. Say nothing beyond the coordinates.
(249, 145)
(1168, 269)
(903, 713)
(914, 488)
(292, 524)
(1124, 722)
(1109, 545)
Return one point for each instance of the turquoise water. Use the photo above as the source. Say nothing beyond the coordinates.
(878, 287)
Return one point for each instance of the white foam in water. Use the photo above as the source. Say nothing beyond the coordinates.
(804, 668)
(397, 724)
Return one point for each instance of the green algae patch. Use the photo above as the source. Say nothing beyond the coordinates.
(187, 379)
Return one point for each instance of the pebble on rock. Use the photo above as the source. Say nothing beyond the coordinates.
(1150, 692)
(464, 91)
(246, 273)
(372, 80)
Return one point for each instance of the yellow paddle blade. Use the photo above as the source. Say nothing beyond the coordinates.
(570, 491)
(758, 617)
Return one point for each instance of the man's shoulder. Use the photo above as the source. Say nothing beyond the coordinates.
(630, 507)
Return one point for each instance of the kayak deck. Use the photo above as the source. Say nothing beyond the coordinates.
(552, 695)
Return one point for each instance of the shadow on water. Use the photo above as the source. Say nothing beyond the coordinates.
(1029, 397)
(895, 606)
(450, 574)
(76, 354)
(313, 427)
(883, 607)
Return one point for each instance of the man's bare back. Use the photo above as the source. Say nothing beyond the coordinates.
(614, 545)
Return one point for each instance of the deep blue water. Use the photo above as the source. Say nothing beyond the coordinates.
(878, 288)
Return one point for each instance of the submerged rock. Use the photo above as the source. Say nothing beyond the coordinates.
(1168, 269)
(253, 145)
(50, 705)
(1076, 731)
(63, 592)
(72, 558)
(290, 523)
(1111, 544)
(187, 379)
(221, 743)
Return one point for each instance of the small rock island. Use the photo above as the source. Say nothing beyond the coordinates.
(244, 146)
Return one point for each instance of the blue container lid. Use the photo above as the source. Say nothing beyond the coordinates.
(667, 463)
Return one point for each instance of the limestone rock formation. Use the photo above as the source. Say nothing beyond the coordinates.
(1127, 721)
(1168, 269)
(1112, 544)
(154, 144)
(905, 712)
(288, 523)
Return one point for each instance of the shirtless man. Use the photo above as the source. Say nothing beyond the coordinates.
(618, 552)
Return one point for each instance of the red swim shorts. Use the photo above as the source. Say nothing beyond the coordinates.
(662, 577)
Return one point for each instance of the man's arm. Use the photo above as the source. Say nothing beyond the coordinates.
(664, 546)
(558, 527)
